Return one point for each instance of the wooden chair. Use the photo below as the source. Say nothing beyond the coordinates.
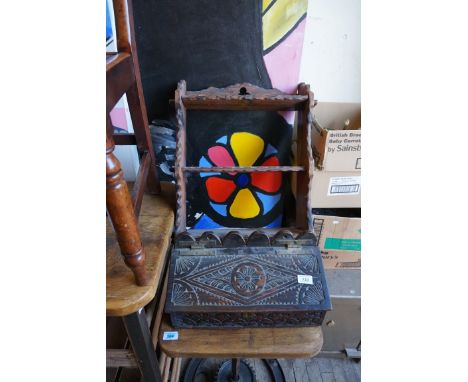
(123, 77)
(125, 299)
(132, 280)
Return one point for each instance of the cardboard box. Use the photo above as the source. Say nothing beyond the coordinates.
(339, 240)
(338, 189)
(336, 136)
(336, 140)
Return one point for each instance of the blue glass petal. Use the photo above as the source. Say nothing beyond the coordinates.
(206, 222)
(268, 201)
(219, 208)
(204, 163)
(275, 223)
(270, 150)
(223, 139)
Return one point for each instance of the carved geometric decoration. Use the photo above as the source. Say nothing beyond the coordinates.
(247, 287)
(249, 279)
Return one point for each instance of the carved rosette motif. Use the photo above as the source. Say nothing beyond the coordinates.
(248, 279)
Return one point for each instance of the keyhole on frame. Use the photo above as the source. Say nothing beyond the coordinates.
(243, 91)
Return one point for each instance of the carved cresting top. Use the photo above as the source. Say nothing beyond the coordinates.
(250, 277)
(241, 91)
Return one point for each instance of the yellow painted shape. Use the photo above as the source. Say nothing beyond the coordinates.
(280, 19)
(244, 205)
(247, 148)
(266, 3)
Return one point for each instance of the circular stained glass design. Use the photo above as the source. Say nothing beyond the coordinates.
(241, 197)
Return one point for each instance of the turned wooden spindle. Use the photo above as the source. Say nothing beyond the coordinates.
(120, 210)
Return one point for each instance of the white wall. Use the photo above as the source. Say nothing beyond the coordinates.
(331, 55)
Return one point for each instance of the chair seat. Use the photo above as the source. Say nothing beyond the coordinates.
(156, 223)
(249, 343)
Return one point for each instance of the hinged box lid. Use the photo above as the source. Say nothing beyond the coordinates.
(247, 278)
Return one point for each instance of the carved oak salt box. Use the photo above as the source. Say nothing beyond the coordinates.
(260, 281)
(245, 277)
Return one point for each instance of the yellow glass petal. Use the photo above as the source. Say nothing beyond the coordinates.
(244, 205)
(266, 3)
(246, 147)
(280, 19)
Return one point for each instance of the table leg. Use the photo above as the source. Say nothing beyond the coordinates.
(140, 338)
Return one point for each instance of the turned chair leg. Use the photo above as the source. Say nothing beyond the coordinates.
(120, 210)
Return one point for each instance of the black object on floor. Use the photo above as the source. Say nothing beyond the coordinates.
(245, 370)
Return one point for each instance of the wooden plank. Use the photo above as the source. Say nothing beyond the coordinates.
(167, 368)
(245, 169)
(136, 97)
(324, 364)
(287, 366)
(180, 160)
(123, 296)
(352, 374)
(120, 358)
(140, 183)
(242, 97)
(313, 370)
(247, 342)
(119, 78)
(261, 371)
(114, 59)
(328, 377)
(243, 104)
(178, 369)
(162, 360)
(121, 21)
(300, 371)
(357, 369)
(338, 371)
(305, 159)
(175, 369)
(116, 338)
(159, 313)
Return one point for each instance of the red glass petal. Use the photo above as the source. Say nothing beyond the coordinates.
(219, 189)
(220, 156)
(267, 181)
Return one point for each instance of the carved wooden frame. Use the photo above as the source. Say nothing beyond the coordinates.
(247, 97)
